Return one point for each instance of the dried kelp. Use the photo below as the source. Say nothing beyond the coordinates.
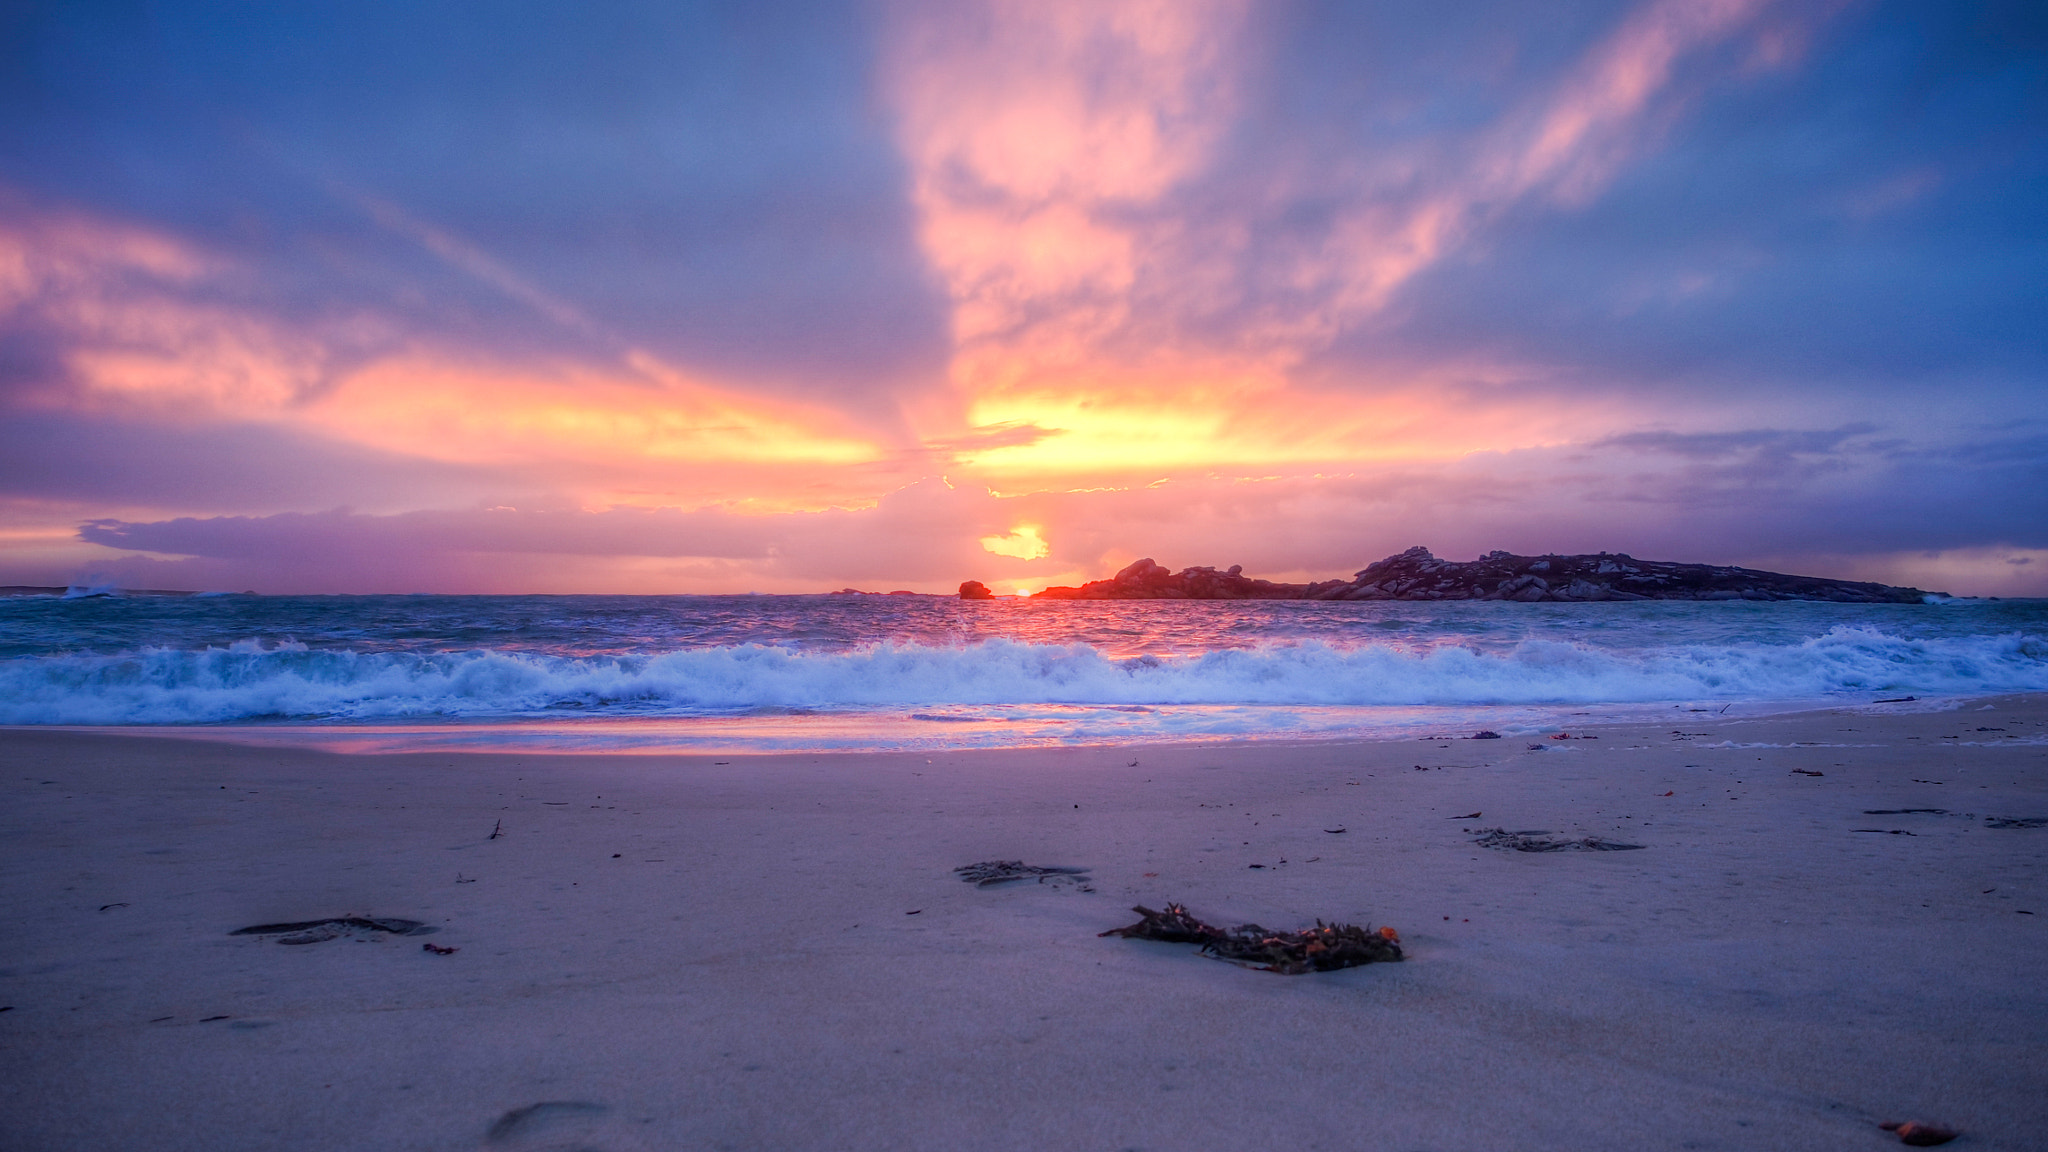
(1506, 841)
(1989, 821)
(1322, 948)
(990, 872)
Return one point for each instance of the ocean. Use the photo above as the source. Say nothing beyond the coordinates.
(750, 673)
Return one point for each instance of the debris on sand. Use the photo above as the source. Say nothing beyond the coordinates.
(990, 872)
(1322, 948)
(1506, 841)
(316, 931)
(1917, 1134)
(2016, 821)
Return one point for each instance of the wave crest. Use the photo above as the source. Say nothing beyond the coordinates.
(250, 680)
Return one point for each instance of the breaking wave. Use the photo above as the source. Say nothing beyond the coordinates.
(257, 681)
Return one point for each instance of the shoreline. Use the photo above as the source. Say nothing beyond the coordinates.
(643, 736)
(779, 953)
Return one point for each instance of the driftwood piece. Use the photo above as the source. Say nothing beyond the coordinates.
(1505, 841)
(1322, 948)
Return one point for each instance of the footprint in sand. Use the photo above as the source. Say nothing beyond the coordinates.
(564, 1126)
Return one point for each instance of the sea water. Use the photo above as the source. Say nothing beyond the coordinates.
(842, 671)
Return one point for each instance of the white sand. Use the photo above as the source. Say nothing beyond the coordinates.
(745, 974)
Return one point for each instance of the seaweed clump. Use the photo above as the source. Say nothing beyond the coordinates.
(1506, 841)
(1323, 948)
(992, 872)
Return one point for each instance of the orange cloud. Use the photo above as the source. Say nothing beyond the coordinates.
(669, 436)
(145, 326)
(1032, 129)
(133, 338)
(1047, 143)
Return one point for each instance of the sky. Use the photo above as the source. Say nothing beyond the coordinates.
(786, 297)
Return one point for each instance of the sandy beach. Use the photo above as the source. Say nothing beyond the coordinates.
(772, 951)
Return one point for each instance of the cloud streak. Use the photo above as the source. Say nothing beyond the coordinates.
(1758, 493)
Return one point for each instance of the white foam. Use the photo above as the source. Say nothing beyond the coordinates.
(257, 681)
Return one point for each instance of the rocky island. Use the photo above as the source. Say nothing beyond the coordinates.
(1418, 575)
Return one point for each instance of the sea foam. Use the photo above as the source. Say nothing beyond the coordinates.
(259, 681)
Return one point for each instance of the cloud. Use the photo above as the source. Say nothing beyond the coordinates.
(1745, 444)
(711, 295)
(104, 320)
(1130, 263)
(922, 533)
(708, 183)
(246, 467)
(1880, 500)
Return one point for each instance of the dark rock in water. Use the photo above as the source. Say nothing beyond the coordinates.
(1418, 575)
(1148, 580)
(975, 590)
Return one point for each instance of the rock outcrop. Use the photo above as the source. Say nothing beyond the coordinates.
(975, 590)
(1418, 575)
(1146, 580)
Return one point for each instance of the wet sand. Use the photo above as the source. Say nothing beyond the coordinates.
(668, 952)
